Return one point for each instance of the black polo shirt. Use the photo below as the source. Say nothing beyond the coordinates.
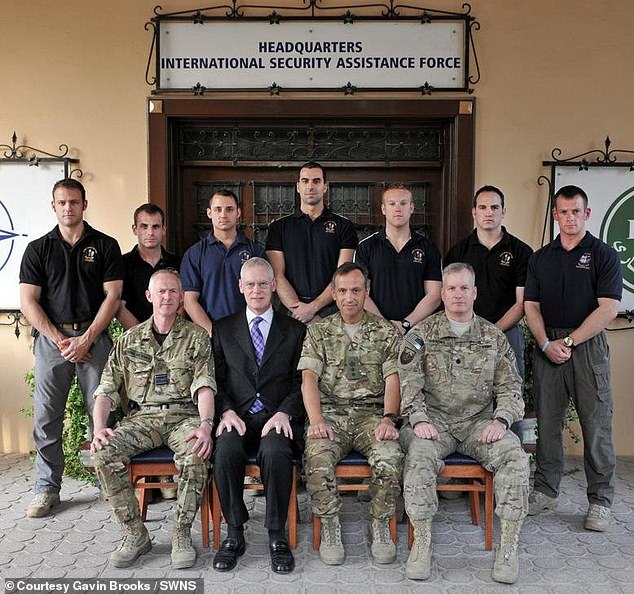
(499, 271)
(311, 248)
(71, 278)
(567, 284)
(397, 278)
(137, 277)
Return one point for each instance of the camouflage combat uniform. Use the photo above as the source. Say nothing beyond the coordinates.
(155, 377)
(352, 384)
(459, 385)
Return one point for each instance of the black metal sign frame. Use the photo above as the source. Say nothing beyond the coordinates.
(311, 11)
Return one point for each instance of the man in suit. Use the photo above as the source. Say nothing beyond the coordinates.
(259, 404)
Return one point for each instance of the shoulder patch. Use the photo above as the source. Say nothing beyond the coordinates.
(412, 345)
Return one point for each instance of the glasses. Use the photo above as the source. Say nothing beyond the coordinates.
(249, 286)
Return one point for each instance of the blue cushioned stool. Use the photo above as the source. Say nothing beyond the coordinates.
(353, 466)
(160, 462)
(476, 480)
(253, 470)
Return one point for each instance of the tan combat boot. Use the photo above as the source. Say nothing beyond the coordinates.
(383, 549)
(183, 552)
(135, 542)
(506, 566)
(331, 548)
(418, 566)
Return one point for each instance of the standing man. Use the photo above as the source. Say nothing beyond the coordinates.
(500, 261)
(461, 392)
(211, 267)
(307, 246)
(70, 289)
(260, 408)
(164, 368)
(403, 265)
(146, 257)
(573, 291)
(352, 398)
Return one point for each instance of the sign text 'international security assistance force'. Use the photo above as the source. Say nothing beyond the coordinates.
(312, 55)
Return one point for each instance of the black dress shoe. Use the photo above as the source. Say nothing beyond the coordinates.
(227, 556)
(282, 560)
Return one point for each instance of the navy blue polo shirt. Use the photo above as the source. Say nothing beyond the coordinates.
(212, 270)
(499, 271)
(137, 277)
(397, 278)
(311, 248)
(71, 277)
(567, 284)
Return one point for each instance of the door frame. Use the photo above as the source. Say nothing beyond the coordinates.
(455, 221)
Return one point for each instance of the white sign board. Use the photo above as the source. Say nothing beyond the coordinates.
(610, 193)
(312, 54)
(25, 215)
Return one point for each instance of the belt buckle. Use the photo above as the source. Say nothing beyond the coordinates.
(76, 326)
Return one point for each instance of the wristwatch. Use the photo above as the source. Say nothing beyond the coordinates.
(569, 341)
(406, 324)
(209, 421)
(503, 421)
(392, 416)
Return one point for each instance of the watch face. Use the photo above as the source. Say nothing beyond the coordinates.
(568, 341)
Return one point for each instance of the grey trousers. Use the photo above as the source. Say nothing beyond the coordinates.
(53, 378)
(584, 378)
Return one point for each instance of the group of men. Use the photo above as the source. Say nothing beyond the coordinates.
(356, 359)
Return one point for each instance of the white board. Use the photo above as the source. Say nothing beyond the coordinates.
(610, 193)
(25, 215)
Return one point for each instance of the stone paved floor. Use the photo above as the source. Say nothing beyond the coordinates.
(557, 554)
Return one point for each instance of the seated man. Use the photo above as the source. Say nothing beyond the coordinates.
(461, 392)
(164, 366)
(260, 407)
(351, 394)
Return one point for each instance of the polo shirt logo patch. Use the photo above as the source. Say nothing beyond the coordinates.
(506, 258)
(330, 227)
(244, 256)
(417, 256)
(89, 255)
(584, 261)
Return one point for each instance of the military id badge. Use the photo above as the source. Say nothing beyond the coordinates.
(161, 379)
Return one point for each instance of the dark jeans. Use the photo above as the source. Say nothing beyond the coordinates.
(584, 378)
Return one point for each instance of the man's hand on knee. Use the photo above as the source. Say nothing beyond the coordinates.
(280, 422)
(494, 431)
(320, 430)
(425, 431)
(101, 439)
(203, 444)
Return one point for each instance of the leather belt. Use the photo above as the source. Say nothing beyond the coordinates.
(74, 325)
(173, 406)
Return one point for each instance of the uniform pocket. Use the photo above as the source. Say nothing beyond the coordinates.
(601, 373)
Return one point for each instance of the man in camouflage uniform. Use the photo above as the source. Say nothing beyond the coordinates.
(351, 394)
(461, 392)
(164, 367)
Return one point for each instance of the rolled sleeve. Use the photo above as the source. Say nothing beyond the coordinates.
(314, 365)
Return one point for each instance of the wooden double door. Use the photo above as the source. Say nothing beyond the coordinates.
(363, 147)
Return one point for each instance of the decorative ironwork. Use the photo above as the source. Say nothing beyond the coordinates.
(386, 144)
(312, 9)
(603, 157)
(16, 319)
(19, 153)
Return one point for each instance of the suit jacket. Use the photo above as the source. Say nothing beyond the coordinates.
(239, 379)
